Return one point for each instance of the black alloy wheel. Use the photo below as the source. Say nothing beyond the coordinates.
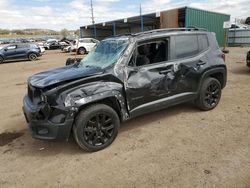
(210, 94)
(96, 127)
(99, 129)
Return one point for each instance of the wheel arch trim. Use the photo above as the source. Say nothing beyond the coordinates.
(113, 98)
(211, 72)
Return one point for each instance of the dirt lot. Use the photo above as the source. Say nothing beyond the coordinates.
(176, 147)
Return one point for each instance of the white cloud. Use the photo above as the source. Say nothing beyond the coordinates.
(236, 8)
(77, 13)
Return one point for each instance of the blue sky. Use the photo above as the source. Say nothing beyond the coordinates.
(71, 14)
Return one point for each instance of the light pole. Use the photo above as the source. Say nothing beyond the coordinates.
(92, 17)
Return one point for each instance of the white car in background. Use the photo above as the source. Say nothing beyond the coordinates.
(42, 49)
(239, 27)
(67, 49)
(84, 45)
(41, 46)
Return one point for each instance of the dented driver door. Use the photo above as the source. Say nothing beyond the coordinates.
(146, 85)
(159, 80)
(148, 76)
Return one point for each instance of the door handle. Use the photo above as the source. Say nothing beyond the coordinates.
(201, 63)
(165, 71)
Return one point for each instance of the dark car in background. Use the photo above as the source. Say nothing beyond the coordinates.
(248, 59)
(20, 51)
(52, 44)
(248, 21)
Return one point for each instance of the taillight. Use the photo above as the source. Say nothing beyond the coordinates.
(223, 57)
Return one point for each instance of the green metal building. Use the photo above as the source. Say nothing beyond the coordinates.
(175, 18)
(212, 21)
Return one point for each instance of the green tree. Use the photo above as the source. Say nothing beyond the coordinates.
(77, 32)
(242, 21)
(4, 31)
(64, 32)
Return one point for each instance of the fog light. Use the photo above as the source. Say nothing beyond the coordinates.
(43, 131)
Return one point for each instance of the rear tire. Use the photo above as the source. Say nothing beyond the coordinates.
(96, 127)
(32, 56)
(210, 94)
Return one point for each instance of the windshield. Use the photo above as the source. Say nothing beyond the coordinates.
(106, 53)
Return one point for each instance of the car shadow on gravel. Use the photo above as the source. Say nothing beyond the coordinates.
(23, 144)
(8, 137)
(159, 115)
(243, 70)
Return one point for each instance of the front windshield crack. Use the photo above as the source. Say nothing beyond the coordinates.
(106, 53)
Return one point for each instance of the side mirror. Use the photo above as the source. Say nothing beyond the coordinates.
(71, 61)
(5, 49)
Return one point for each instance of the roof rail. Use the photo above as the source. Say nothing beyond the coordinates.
(191, 28)
(171, 30)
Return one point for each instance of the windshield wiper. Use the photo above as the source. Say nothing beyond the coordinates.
(91, 66)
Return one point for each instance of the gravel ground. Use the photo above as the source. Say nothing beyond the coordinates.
(177, 147)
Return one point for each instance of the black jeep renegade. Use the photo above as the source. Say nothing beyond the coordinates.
(124, 77)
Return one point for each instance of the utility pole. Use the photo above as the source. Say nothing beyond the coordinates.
(92, 17)
(92, 12)
(142, 24)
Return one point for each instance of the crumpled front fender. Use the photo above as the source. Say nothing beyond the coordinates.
(81, 97)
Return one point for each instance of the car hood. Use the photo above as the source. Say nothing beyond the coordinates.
(55, 76)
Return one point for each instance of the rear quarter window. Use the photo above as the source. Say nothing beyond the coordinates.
(33, 46)
(203, 42)
(186, 46)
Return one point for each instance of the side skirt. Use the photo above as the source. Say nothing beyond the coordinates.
(162, 103)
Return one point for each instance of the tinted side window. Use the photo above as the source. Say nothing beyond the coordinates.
(33, 46)
(11, 47)
(22, 46)
(94, 41)
(203, 42)
(86, 41)
(154, 51)
(186, 46)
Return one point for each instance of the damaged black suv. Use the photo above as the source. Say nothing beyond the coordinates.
(124, 77)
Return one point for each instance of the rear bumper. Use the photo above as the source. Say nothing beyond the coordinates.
(45, 129)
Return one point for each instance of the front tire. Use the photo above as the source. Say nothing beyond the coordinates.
(210, 94)
(81, 51)
(96, 127)
(32, 56)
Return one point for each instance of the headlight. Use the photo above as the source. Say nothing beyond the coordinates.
(68, 101)
(81, 101)
(43, 98)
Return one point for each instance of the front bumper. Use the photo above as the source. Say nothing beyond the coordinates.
(45, 129)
